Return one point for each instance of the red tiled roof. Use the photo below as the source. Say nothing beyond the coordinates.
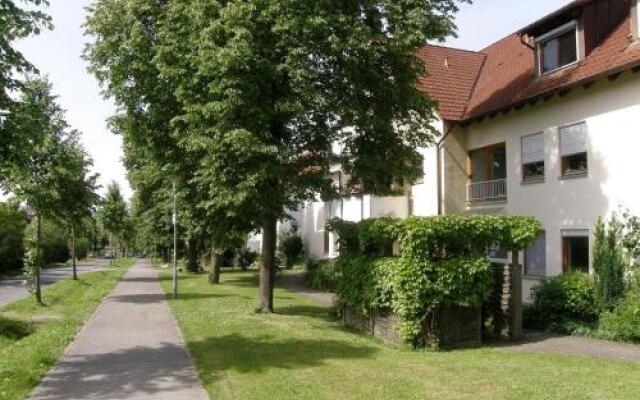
(451, 76)
(503, 74)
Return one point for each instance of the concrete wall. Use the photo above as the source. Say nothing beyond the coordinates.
(611, 111)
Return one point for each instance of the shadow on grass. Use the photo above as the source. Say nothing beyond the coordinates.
(151, 298)
(13, 329)
(259, 354)
(306, 311)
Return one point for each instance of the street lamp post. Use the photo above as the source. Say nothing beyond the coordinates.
(175, 242)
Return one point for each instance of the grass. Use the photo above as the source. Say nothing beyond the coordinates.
(300, 353)
(32, 337)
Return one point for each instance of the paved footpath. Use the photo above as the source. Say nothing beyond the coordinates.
(130, 349)
(13, 289)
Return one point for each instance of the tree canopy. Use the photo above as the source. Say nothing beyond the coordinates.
(254, 97)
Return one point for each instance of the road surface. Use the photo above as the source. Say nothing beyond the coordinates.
(13, 289)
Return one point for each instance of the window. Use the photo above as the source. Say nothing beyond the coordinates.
(558, 48)
(533, 157)
(488, 163)
(496, 252)
(573, 149)
(327, 242)
(535, 258)
(575, 251)
(488, 174)
(636, 16)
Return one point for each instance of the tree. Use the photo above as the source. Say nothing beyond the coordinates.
(12, 226)
(79, 196)
(275, 84)
(609, 262)
(113, 215)
(15, 23)
(37, 178)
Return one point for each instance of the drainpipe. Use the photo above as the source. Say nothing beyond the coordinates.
(439, 167)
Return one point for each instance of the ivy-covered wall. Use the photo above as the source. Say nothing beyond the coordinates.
(442, 264)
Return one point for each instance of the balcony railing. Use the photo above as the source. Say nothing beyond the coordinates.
(495, 190)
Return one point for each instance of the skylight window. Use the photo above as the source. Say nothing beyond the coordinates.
(558, 48)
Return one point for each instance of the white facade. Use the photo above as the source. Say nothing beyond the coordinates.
(610, 110)
(421, 200)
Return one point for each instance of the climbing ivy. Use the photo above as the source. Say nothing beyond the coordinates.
(443, 263)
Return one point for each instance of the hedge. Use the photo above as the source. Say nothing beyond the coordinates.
(443, 263)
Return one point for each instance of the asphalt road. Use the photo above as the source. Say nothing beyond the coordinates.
(13, 289)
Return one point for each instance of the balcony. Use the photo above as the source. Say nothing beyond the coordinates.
(487, 191)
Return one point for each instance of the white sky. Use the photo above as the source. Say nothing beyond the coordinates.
(57, 54)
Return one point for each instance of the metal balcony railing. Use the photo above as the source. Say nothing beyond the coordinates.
(495, 190)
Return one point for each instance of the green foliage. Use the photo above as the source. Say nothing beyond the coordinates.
(291, 247)
(320, 274)
(54, 245)
(623, 322)
(246, 257)
(609, 262)
(16, 23)
(443, 263)
(565, 300)
(371, 237)
(244, 100)
(12, 226)
(631, 239)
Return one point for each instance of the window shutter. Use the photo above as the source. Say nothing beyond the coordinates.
(573, 139)
(533, 148)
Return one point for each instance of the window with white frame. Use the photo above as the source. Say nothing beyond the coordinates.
(573, 149)
(558, 48)
(535, 258)
(533, 157)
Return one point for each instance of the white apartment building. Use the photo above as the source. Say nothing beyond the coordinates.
(542, 123)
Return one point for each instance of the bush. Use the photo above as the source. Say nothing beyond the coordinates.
(443, 264)
(12, 226)
(320, 275)
(563, 301)
(609, 262)
(623, 323)
(245, 258)
(291, 248)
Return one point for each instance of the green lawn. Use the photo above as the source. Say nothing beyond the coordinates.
(299, 353)
(32, 338)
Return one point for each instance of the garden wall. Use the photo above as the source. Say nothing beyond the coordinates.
(457, 327)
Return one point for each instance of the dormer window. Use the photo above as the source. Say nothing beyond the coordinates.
(558, 48)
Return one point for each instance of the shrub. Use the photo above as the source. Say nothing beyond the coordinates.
(623, 323)
(12, 226)
(291, 248)
(631, 239)
(563, 300)
(609, 262)
(245, 258)
(320, 275)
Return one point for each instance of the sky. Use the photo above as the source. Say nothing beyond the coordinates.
(57, 55)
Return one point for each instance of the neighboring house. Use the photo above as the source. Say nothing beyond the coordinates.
(544, 123)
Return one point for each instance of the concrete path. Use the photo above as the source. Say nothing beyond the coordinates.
(539, 342)
(13, 289)
(130, 349)
(294, 281)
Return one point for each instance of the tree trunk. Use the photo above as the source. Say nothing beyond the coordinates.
(216, 261)
(267, 267)
(73, 253)
(38, 258)
(192, 250)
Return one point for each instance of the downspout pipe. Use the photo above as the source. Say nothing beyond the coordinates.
(439, 166)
